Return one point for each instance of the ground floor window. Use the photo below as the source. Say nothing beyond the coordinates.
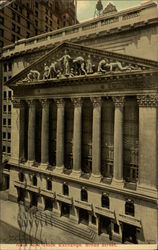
(34, 200)
(105, 225)
(83, 216)
(48, 204)
(21, 194)
(65, 210)
(129, 234)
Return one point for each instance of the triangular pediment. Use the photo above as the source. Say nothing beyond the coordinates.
(68, 61)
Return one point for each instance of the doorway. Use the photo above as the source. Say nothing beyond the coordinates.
(65, 210)
(105, 225)
(34, 200)
(83, 216)
(129, 234)
(21, 195)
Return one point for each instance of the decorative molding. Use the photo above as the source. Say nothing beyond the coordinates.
(77, 102)
(118, 101)
(147, 100)
(44, 103)
(82, 204)
(60, 102)
(104, 212)
(63, 198)
(97, 101)
(130, 220)
(17, 103)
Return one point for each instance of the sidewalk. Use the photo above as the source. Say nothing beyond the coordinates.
(9, 213)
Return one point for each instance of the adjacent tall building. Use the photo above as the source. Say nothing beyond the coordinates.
(84, 126)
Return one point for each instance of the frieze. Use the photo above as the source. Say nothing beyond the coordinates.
(147, 100)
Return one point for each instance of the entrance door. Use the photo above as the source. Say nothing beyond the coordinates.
(21, 194)
(34, 200)
(129, 234)
(105, 225)
(83, 216)
(65, 210)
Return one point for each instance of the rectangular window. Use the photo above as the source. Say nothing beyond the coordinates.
(36, 23)
(4, 135)
(4, 148)
(46, 28)
(1, 44)
(18, 29)
(9, 108)
(13, 27)
(36, 13)
(9, 94)
(1, 20)
(4, 108)
(10, 66)
(18, 19)
(28, 25)
(4, 95)
(5, 79)
(28, 15)
(116, 228)
(36, 5)
(9, 136)
(8, 150)
(1, 32)
(27, 34)
(4, 121)
(9, 122)
(13, 16)
(13, 38)
(5, 67)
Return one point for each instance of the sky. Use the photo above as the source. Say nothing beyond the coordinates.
(86, 8)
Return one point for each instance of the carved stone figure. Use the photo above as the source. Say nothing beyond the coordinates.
(33, 75)
(89, 65)
(117, 65)
(80, 64)
(53, 69)
(102, 66)
(65, 59)
(46, 73)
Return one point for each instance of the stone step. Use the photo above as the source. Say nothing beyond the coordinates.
(78, 230)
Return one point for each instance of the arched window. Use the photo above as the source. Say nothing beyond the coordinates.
(49, 184)
(129, 207)
(105, 201)
(65, 189)
(21, 177)
(34, 180)
(84, 195)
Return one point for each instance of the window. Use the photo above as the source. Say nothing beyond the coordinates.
(8, 150)
(5, 67)
(36, 13)
(36, 23)
(129, 207)
(46, 28)
(9, 94)
(9, 108)
(105, 201)
(28, 15)
(4, 148)
(27, 34)
(1, 20)
(65, 189)
(13, 38)
(36, 5)
(49, 185)
(18, 30)
(4, 108)
(9, 122)
(36, 32)
(1, 32)
(21, 177)
(13, 16)
(4, 121)
(34, 180)
(9, 135)
(93, 220)
(10, 77)
(116, 228)
(4, 135)
(19, 19)
(10, 66)
(50, 23)
(84, 195)
(1, 44)
(28, 25)
(46, 19)
(5, 78)
(20, 9)
(13, 27)
(4, 94)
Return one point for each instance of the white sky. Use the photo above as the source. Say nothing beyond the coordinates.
(86, 8)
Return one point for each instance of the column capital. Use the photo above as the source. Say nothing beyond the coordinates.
(118, 101)
(77, 102)
(44, 102)
(60, 102)
(30, 102)
(17, 103)
(147, 100)
(97, 101)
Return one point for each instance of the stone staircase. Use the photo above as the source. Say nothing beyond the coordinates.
(68, 226)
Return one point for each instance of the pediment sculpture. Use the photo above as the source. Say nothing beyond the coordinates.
(69, 65)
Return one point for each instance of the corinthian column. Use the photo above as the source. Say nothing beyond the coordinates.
(118, 139)
(31, 131)
(45, 132)
(148, 141)
(60, 135)
(77, 134)
(96, 137)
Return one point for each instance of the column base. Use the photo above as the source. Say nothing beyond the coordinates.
(58, 170)
(76, 173)
(43, 166)
(95, 177)
(117, 183)
(147, 190)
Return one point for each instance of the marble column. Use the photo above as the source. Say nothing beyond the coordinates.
(148, 141)
(45, 132)
(60, 134)
(31, 130)
(77, 135)
(118, 139)
(96, 137)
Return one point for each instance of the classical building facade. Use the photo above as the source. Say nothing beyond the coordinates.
(84, 126)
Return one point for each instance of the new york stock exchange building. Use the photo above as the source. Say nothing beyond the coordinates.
(84, 130)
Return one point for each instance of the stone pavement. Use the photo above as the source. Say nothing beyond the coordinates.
(45, 233)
